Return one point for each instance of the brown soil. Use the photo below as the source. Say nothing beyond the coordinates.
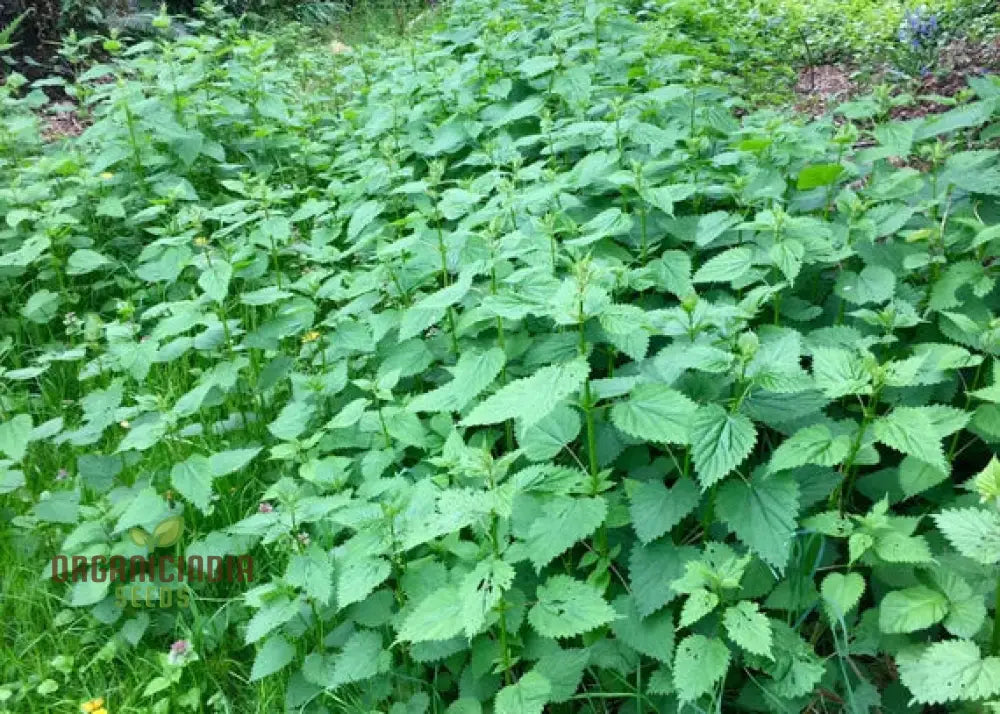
(822, 87)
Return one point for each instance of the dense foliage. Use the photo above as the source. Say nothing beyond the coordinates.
(531, 376)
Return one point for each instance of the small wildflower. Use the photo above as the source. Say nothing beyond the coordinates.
(310, 336)
(62, 475)
(107, 175)
(265, 507)
(303, 538)
(179, 651)
(201, 241)
(124, 424)
(94, 706)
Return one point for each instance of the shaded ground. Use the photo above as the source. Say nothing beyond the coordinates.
(822, 87)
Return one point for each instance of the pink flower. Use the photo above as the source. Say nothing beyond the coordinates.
(179, 652)
(265, 507)
(62, 475)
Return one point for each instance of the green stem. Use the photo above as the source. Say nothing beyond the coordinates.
(995, 644)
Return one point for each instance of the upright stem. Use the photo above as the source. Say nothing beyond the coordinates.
(995, 644)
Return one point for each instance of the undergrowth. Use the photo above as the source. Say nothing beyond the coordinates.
(531, 376)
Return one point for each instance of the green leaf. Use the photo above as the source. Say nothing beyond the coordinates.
(83, 261)
(437, 617)
(762, 512)
(481, 591)
(564, 671)
(528, 695)
(818, 175)
(719, 442)
(655, 509)
(223, 463)
(312, 572)
(15, 435)
(562, 522)
(949, 671)
(838, 372)
(747, 626)
(274, 656)
(700, 663)
(547, 437)
(699, 603)
(811, 445)
(473, 373)
(911, 609)
(360, 659)
(841, 593)
(911, 431)
(531, 398)
(654, 412)
(271, 616)
(358, 577)
(41, 307)
(652, 568)
(363, 215)
(193, 480)
(725, 267)
(973, 532)
(430, 309)
(915, 476)
(653, 636)
(214, 279)
(567, 607)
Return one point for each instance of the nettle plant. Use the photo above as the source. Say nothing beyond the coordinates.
(530, 376)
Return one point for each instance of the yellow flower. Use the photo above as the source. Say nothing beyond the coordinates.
(102, 710)
(310, 336)
(94, 706)
(201, 241)
(107, 175)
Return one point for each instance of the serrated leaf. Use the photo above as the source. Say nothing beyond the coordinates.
(655, 509)
(950, 671)
(748, 627)
(655, 412)
(652, 636)
(762, 513)
(562, 522)
(528, 695)
(274, 656)
(547, 437)
(193, 480)
(698, 603)
(437, 617)
(567, 607)
(911, 609)
(911, 431)
(973, 532)
(531, 398)
(481, 591)
(719, 442)
(652, 568)
(811, 445)
(725, 267)
(700, 663)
